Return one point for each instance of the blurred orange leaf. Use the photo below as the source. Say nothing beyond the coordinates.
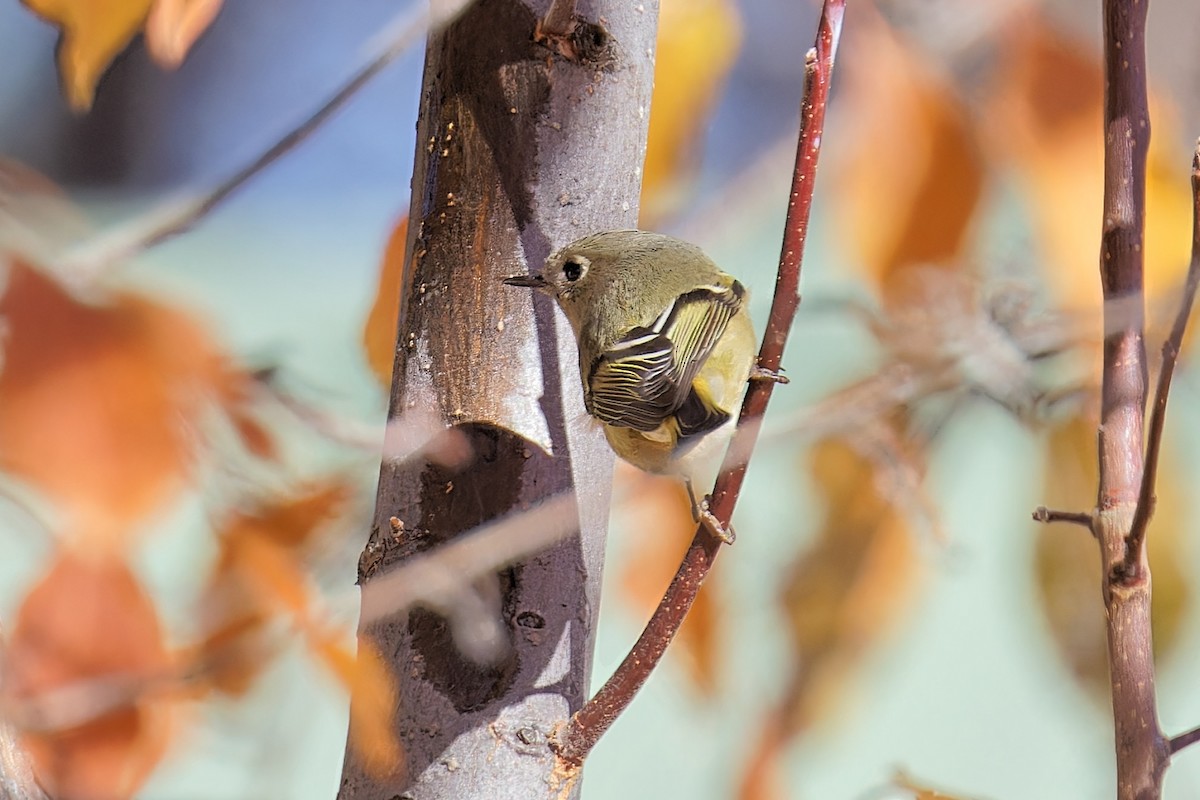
(662, 503)
(368, 681)
(849, 588)
(88, 626)
(1044, 116)
(912, 176)
(291, 523)
(760, 778)
(260, 575)
(1068, 566)
(379, 335)
(698, 41)
(96, 400)
(93, 32)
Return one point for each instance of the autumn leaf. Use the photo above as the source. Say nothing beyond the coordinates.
(366, 679)
(662, 503)
(698, 41)
(98, 401)
(89, 629)
(1043, 118)
(260, 576)
(1067, 565)
(760, 778)
(910, 174)
(849, 588)
(379, 335)
(93, 32)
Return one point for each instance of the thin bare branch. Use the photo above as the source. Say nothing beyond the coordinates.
(576, 739)
(439, 577)
(1158, 413)
(1047, 515)
(97, 256)
(1185, 739)
(1141, 749)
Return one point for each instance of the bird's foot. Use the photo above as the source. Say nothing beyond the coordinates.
(758, 373)
(709, 520)
(702, 515)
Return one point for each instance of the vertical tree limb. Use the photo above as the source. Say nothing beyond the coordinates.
(580, 734)
(520, 149)
(1141, 750)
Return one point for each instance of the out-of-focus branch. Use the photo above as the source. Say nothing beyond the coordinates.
(576, 739)
(438, 578)
(1158, 413)
(1185, 739)
(1142, 751)
(95, 257)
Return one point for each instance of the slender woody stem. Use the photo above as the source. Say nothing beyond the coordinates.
(1158, 413)
(1185, 739)
(1048, 515)
(576, 739)
(1141, 750)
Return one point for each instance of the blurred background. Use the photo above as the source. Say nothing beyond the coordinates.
(890, 618)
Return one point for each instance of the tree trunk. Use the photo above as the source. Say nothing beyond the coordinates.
(520, 149)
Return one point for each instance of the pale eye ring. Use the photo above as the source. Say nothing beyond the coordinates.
(572, 271)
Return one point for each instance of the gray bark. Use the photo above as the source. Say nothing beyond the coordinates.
(518, 152)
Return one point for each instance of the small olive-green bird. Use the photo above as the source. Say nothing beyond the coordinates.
(665, 343)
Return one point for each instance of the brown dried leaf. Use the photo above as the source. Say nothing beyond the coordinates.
(1067, 563)
(698, 41)
(661, 518)
(850, 588)
(88, 624)
(379, 334)
(912, 176)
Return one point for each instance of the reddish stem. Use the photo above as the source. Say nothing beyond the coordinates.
(585, 728)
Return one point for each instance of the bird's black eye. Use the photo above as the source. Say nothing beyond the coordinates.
(572, 271)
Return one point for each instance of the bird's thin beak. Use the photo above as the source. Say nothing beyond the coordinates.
(528, 281)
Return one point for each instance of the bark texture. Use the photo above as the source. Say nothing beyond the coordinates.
(519, 150)
(1142, 751)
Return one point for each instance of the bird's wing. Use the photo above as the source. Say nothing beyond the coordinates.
(646, 375)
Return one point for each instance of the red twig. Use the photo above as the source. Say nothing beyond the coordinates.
(1170, 354)
(585, 728)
